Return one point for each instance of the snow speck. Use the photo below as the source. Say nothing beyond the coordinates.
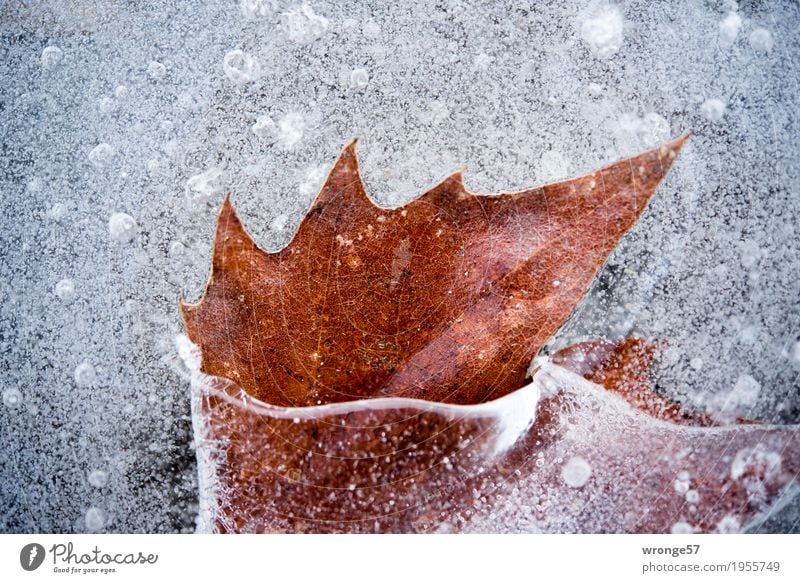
(51, 57)
(761, 40)
(602, 30)
(65, 290)
(359, 79)
(302, 25)
(12, 397)
(729, 29)
(122, 227)
(156, 70)
(98, 478)
(696, 363)
(713, 109)
(95, 519)
(240, 67)
(290, 130)
(102, 155)
(682, 528)
(85, 374)
(576, 472)
(693, 496)
(264, 127)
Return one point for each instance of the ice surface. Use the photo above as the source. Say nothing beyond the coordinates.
(711, 267)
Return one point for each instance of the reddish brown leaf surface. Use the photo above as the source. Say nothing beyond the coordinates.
(320, 353)
(446, 298)
(402, 465)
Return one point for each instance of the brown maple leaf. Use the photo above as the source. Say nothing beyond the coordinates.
(447, 298)
(319, 354)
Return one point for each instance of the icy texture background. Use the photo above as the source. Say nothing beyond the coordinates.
(124, 122)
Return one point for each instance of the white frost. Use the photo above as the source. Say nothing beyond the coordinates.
(603, 31)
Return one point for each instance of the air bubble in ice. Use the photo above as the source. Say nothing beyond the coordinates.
(51, 57)
(156, 70)
(359, 79)
(576, 472)
(201, 187)
(729, 525)
(290, 129)
(241, 67)
(682, 528)
(713, 109)
(98, 478)
(95, 519)
(302, 25)
(122, 227)
(85, 374)
(729, 29)
(264, 127)
(102, 155)
(12, 397)
(603, 31)
(254, 8)
(65, 290)
(761, 40)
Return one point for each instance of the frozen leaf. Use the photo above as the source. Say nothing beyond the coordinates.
(447, 298)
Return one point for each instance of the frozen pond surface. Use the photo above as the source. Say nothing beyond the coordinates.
(122, 128)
